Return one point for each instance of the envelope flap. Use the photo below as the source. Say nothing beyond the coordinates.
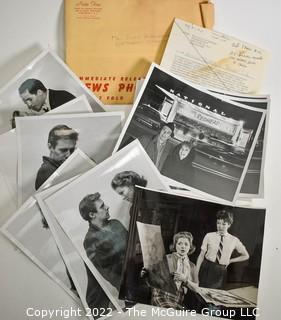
(208, 14)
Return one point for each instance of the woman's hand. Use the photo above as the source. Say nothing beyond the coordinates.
(192, 285)
(179, 277)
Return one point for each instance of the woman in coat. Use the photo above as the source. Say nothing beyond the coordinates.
(178, 165)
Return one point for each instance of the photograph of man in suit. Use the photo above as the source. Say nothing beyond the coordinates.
(106, 240)
(39, 99)
(158, 147)
(61, 143)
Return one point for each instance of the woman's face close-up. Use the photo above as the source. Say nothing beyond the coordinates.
(184, 151)
(182, 246)
(126, 192)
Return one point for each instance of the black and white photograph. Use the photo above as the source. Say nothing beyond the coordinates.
(57, 136)
(200, 141)
(43, 85)
(8, 172)
(94, 211)
(8, 140)
(253, 183)
(26, 231)
(219, 297)
(9, 157)
(90, 292)
(207, 245)
(30, 232)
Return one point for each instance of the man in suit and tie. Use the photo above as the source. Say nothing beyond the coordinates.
(159, 146)
(39, 99)
(216, 253)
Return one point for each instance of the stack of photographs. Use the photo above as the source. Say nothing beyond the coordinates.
(97, 214)
(29, 230)
(49, 75)
(253, 183)
(52, 130)
(198, 140)
(9, 154)
(45, 86)
(94, 133)
(145, 212)
(227, 66)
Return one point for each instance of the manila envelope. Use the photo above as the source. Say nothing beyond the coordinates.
(111, 44)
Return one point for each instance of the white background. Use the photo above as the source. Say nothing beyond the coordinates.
(30, 25)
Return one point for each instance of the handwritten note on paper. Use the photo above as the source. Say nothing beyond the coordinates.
(213, 59)
(137, 39)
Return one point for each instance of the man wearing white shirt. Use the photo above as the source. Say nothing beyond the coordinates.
(216, 253)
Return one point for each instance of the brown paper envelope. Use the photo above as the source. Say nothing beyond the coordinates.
(110, 44)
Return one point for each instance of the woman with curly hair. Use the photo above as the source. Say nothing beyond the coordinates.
(124, 184)
(172, 278)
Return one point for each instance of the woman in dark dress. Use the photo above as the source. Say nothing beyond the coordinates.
(178, 165)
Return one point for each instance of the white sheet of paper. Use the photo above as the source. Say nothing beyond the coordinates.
(211, 58)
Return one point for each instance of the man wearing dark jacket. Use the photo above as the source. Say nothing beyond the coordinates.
(106, 239)
(158, 147)
(61, 143)
(40, 99)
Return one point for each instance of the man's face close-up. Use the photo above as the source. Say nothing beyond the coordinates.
(102, 210)
(63, 149)
(34, 101)
(165, 134)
